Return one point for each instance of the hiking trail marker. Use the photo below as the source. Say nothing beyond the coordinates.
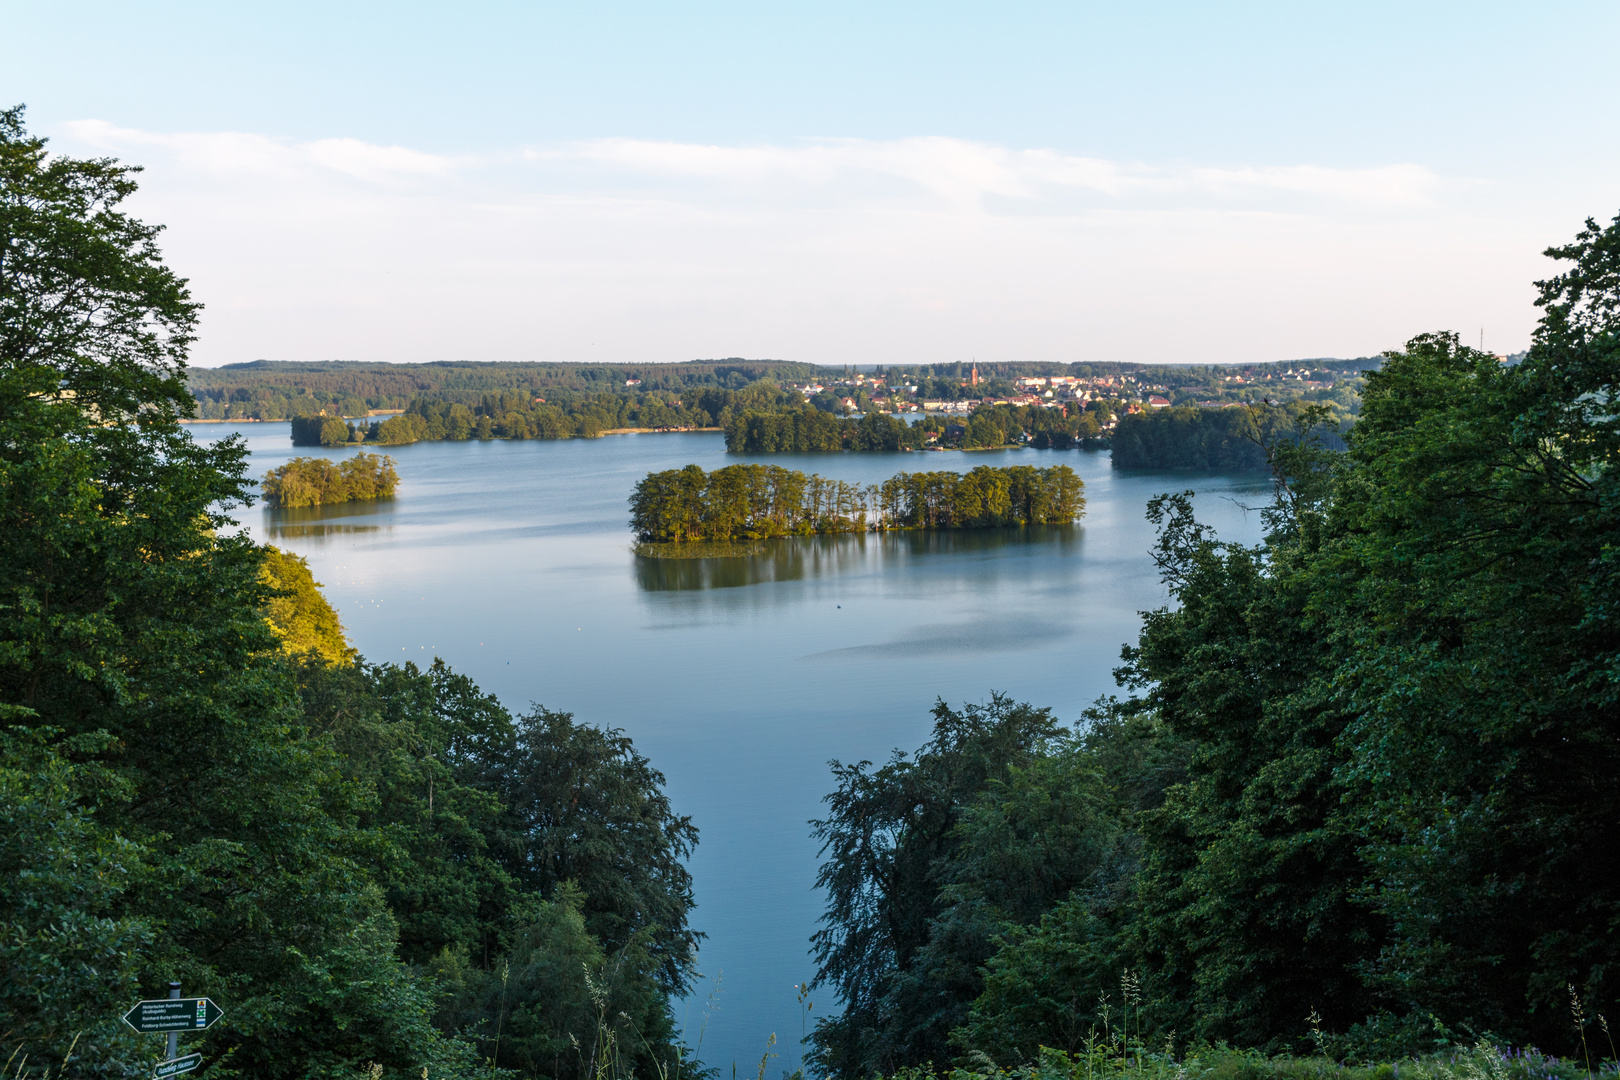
(172, 1015)
(176, 1066)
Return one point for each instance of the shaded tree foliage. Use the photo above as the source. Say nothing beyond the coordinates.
(1206, 438)
(182, 799)
(1389, 731)
(888, 835)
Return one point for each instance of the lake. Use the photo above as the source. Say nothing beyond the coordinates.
(739, 678)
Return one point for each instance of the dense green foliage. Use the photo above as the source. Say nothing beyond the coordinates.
(320, 481)
(277, 391)
(750, 502)
(799, 428)
(520, 415)
(1194, 438)
(794, 427)
(345, 857)
(318, 429)
(1000, 828)
(1367, 778)
(512, 832)
(299, 616)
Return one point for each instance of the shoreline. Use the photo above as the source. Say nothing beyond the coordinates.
(285, 419)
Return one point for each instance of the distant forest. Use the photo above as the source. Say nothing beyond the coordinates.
(265, 390)
(772, 406)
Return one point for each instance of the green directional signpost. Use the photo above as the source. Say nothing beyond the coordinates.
(172, 1015)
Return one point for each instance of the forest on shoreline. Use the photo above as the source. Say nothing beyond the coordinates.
(281, 390)
(764, 419)
(1218, 439)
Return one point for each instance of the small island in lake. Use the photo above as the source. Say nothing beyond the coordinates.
(319, 481)
(753, 502)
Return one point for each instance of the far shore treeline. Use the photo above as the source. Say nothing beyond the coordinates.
(763, 418)
(318, 481)
(281, 390)
(1216, 439)
(752, 502)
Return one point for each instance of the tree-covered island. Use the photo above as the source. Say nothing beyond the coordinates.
(751, 502)
(320, 482)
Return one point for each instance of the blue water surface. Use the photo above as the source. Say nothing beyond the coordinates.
(739, 678)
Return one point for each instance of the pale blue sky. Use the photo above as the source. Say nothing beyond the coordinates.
(636, 181)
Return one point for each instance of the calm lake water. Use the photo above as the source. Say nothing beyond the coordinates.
(740, 679)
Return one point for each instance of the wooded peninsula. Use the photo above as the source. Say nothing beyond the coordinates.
(752, 502)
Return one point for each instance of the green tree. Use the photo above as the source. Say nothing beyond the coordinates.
(322, 481)
(70, 949)
(890, 836)
(582, 806)
(299, 614)
(1485, 684)
(134, 628)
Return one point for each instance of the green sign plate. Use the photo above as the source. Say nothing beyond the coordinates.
(173, 1014)
(176, 1066)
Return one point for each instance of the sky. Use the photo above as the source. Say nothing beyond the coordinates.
(841, 182)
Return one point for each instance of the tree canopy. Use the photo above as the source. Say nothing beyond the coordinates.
(1365, 775)
(200, 781)
(751, 502)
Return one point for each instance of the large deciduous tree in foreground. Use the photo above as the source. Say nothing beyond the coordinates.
(342, 855)
(166, 818)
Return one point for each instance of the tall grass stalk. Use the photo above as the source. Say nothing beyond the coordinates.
(500, 1013)
(1579, 1015)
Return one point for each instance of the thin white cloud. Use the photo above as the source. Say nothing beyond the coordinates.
(832, 250)
(1392, 185)
(962, 170)
(242, 154)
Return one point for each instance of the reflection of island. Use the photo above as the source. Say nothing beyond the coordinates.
(797, 558)
(316, 522)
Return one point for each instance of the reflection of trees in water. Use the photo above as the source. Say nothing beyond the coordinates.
(797, 558)
(318, 522)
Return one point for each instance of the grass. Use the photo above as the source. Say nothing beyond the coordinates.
(1105, 1061)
